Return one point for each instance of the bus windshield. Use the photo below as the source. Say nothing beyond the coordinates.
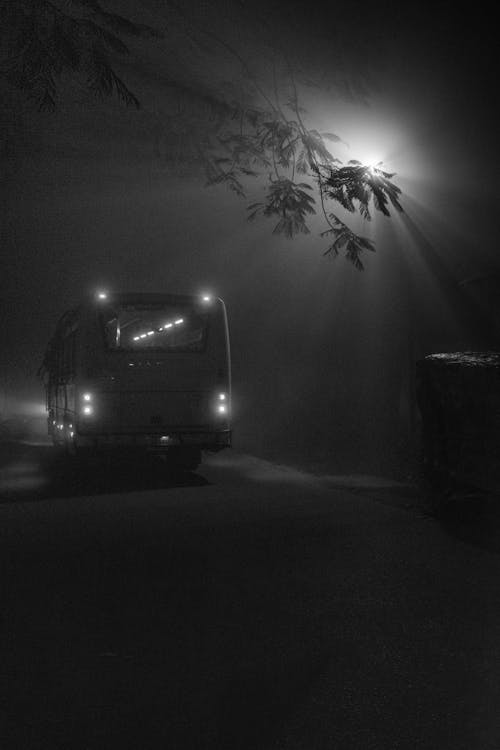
(162, 327)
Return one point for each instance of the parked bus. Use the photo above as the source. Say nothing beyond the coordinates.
(146, 372)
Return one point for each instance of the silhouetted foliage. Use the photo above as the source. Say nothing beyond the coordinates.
(284, 146)
(289, 201)
(361, 183)
(43, 40)
(239, 136)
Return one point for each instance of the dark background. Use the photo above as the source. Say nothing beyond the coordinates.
(322, 355)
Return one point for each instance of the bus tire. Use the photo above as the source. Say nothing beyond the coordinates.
(70, 448)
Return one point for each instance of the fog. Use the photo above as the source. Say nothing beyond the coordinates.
(323, 355)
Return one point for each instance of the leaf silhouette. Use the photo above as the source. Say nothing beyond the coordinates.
(331, 137)
(289, 201)
(362, 184)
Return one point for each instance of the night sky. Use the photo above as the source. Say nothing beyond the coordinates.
(322, 354)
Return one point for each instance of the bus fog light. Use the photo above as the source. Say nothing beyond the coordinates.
(87, 410)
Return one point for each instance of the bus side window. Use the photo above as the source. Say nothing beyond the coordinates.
(67, 358)
(59, 361)
(69, 355)
(72, 342)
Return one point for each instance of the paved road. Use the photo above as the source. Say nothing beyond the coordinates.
(246, 606)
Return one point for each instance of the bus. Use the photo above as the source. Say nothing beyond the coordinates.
(142, 373)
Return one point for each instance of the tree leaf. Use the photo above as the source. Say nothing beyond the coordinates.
(331, 137)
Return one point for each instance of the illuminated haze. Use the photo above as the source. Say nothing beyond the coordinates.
(322, 354)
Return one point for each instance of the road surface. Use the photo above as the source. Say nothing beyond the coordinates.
(246, 606)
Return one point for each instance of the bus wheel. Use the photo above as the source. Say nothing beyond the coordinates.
(70, 446)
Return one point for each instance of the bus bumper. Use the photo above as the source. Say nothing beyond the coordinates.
(211, 441)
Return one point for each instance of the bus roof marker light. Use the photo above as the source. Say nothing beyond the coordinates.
(180, 320)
